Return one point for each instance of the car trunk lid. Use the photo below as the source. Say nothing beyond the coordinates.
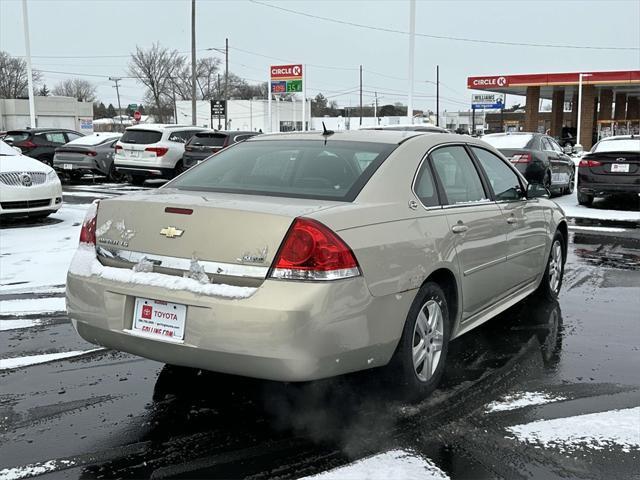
(233, 237)
(616, 163)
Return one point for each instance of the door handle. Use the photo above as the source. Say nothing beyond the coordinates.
(459, 228)
(512, 220)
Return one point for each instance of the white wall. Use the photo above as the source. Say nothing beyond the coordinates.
(60, 112)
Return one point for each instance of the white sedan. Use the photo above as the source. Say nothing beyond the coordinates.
(28, 188)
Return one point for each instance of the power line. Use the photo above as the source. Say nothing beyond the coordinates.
(441, 37)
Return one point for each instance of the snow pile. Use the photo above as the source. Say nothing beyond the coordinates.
(17, 362)
(595, 431)
(85, 264)
(144, 265)
(386, 466)
(196, 272)
(521, 400)
(34, 469)
(28, 306)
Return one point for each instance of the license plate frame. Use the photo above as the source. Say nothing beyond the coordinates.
(619, 168)
(159, 319)
(134, 154)
(67, 166)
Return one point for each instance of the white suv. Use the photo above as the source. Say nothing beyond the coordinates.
(152, 150)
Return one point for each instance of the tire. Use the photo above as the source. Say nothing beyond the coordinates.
(179, 168)
(427, 324)
(584, 199)
(46, 161)
(568, 190)
(137, 179)
(546, 182)
(114, 175)
(551, 283)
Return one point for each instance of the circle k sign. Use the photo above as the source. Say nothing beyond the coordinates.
(281, 72)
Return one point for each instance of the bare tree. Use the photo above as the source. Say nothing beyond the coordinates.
(155, 68)
(81, 90)
(13, 77)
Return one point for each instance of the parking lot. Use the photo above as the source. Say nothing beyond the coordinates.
(545, 390)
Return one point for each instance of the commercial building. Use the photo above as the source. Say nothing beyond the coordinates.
(57, 112)
(609, 103)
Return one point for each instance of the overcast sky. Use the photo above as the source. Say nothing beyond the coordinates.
(107, 31)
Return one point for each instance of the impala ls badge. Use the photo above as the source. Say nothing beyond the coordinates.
(171, 232)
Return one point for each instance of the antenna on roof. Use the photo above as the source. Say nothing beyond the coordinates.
(326, 132)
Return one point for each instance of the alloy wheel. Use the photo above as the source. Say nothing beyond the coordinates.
(555, 266)
(428, 335)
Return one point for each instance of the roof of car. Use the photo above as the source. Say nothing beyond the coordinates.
(408, 126)
(163, 126)
(230, 132)
(502, 134)
(621, 137)
(373, 136)
(40, 130)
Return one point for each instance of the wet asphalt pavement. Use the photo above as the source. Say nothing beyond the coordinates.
(107, 414)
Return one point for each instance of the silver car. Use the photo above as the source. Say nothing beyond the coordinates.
(89, 154)
(294, 257)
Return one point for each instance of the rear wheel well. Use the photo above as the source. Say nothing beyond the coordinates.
(447, 282)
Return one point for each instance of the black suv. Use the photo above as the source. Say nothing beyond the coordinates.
(205, 144)
(40, 143)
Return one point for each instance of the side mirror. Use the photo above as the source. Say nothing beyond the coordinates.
(537, 190)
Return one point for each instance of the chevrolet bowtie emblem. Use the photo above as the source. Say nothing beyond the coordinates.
(171, 232)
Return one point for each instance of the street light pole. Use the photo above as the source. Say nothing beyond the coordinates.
(226, 82)
(27, 44)
(412, 46)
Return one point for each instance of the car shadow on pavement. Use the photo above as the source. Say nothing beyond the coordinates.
(28, 222)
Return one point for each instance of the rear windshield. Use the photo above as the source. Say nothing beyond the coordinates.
(208, 139)
(618, 145)
(15, 137)
(141, 137)
(508, 141)
(289, 168)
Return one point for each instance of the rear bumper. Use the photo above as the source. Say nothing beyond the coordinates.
(191, 159)
(285, 331)
(80, 166)
(587, 186)
(147, 172)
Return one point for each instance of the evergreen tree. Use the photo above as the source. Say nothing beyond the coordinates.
(44, 91)
(99, 110)
(111, 111)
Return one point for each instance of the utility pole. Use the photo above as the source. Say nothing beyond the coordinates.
(117, 87)
(194, 117)
(375, 107)
(437, 95)
(412, 47)
(27, 44)
(225, 107)
(360, 95)
(226, 82)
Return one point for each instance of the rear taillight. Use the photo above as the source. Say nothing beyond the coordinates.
(311, 251)
(26, 144)
(159, 151)
(521, 158)
(88, 230)
(118, 148)
(589, 163)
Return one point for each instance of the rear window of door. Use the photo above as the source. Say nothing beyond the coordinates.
(55, 137)
(72, 136)
(458, 176)
(141, 137)
(425, 187)
(504, 181)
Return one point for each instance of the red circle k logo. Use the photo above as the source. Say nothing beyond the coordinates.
(502, 81)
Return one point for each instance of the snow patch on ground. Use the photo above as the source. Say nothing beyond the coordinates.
(572, 209)
(38, 256)
(599, 229)
(17, 324)
(85, 264)
(17, 362)
(34, 469)
(521, 400)
(595, 431)
(386, 466)
(28, 306)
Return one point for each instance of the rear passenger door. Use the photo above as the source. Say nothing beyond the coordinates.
(477, 227)
(524, 220)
